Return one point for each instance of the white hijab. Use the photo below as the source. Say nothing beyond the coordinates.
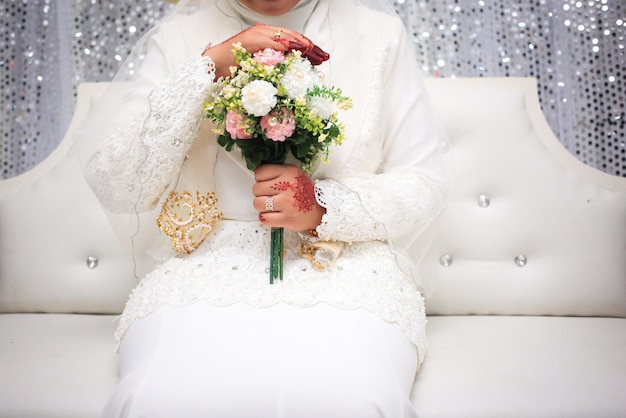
(295, 19)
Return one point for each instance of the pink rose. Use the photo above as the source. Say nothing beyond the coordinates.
(278, 125)
(269, 56)
(236, 126)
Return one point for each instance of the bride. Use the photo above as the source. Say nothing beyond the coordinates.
(204, 334)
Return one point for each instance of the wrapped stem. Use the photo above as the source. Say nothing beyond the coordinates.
(276, 254)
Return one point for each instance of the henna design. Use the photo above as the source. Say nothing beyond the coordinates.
(303, 192)
(282, 186)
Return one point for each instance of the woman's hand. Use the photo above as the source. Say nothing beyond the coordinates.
(259, 37)
(285, 197)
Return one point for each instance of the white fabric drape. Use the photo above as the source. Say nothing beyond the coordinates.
(281, 344)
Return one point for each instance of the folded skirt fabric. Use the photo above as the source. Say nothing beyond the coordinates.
(238, 361)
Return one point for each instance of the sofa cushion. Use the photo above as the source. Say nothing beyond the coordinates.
(56, 365)
(58, 252)
(507, 366)
(50, 229)
(476, 366)
(516, 191)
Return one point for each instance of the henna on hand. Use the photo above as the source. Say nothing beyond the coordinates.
(303, 192)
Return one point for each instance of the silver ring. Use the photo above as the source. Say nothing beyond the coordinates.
(269, 204)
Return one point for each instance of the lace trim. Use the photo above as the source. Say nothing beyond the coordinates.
(346, 218)
(377, 207)
(221, 272)
(139, 159)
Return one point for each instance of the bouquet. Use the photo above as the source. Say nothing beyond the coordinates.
(272, 105)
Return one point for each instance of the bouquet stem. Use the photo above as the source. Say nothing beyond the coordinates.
(276, 254)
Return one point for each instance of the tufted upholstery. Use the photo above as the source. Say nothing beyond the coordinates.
(517, 191)
(50, 224)
(544, 339)
(527, 336)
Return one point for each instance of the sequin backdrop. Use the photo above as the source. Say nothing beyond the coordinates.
(574, 48)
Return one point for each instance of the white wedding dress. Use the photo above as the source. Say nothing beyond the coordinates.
(204, 334)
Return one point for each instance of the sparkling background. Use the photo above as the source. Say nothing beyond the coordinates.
(574, 48)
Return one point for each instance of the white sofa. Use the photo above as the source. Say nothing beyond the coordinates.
(528, 318)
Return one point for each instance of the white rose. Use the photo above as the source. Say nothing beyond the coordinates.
(299, 77)
(259, 97)
(324, 108)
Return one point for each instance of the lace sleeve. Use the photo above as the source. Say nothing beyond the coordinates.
(140, 158)
(377, 206)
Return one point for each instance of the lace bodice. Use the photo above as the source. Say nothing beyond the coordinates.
(231, 267)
